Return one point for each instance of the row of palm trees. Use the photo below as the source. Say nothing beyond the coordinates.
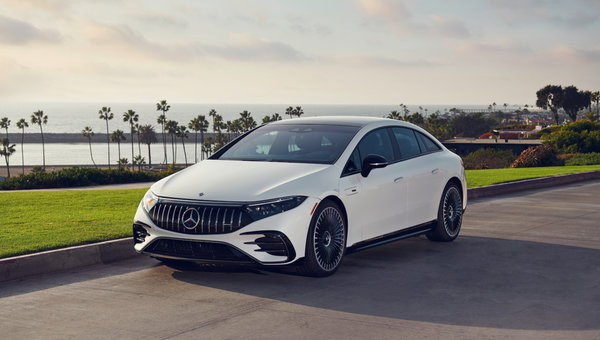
(7, 149)
(222, 133)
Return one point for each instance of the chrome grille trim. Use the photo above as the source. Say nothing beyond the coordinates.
(211, 219)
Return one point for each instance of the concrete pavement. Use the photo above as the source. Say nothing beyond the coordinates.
(525, 265)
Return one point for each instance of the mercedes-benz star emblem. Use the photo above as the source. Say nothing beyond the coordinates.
(190, 218)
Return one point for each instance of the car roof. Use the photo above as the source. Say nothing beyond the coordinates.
(358, 121)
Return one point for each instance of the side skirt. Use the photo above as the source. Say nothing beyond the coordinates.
(391, 237)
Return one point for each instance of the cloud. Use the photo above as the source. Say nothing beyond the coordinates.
(248, 48)
(497, 46)
(241, 47)
(385, 62)
(576, 55)
(397, 18)
(16, 32)
(384, 9)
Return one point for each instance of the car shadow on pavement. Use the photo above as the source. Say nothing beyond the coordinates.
(474, 281)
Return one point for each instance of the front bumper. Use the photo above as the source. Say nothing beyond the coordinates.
(276, 240)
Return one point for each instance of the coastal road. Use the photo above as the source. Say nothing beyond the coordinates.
(525, 265)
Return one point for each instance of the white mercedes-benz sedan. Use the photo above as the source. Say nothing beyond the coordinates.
(305, 192)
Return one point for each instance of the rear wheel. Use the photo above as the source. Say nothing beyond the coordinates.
(326, 241)
(449, 218)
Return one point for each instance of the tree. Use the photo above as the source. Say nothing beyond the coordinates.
(298, 111)
(5, 123)
(40, 119)
(171, 127)
(137, 132)
(208, 146)
(123, 163)
(394, 115)
(198, 124)
(147, 136)
(88, 133)
(7, 150)
(213, 113)
(273, 118)
(289, 111)
(550, 98)
(22, 124)
(595, 97)
(574, 100)
(131, 117)
(164, 107)
(118, 136)
(139, 161)
(105, 114)
(182, 132)
(247, 121)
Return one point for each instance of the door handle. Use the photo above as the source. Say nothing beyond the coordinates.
(351, 191)
(435, 171)
(398, 179)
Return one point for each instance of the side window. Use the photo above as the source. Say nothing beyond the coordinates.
(377, 142)
(407, 142)
(353, 165)
(430, 145)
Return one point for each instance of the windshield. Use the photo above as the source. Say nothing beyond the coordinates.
(293, 143)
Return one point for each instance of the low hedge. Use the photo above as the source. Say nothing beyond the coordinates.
(76, 177)
(489, 158)
(537, 156)
(591, 158)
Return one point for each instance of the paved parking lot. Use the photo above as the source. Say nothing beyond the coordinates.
(525, 265)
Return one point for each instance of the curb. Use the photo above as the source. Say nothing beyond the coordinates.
(51, 261)
(529, 184)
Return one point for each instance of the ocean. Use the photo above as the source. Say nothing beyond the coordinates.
(73, 117)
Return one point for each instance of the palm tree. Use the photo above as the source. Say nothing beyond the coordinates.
(147, 136)
(213, 113)
(7, 151)
(394, 115)
(118, 136)
(22, 124)
(131, 117)
(123, 162)
(162, 119)
(171, 127)
(164, 107)
(137, 132)
(5, 123)
(139, 161)
(182, 132)
(88, 133)
(105, 114)
(297, 111)
(595, 97)
(198, 124)
(40, 119)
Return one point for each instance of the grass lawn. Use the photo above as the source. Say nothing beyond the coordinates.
(35, 221)
(479, 178)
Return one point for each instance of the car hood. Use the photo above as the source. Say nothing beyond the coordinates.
(243, 181)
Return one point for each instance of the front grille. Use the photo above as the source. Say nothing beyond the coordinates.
(210, 219)
(207, 251)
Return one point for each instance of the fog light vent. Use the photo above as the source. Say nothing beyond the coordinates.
(139, 234)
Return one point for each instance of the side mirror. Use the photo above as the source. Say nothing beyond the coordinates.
(372, 162)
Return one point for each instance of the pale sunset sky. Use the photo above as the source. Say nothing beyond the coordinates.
(308, 51)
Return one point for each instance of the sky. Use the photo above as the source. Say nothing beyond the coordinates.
(434, 52)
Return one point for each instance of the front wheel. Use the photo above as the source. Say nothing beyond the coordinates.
(449, 220)
(326, 241)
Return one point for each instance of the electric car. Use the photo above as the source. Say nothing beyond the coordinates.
(304, 192)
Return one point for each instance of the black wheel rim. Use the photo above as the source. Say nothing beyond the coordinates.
(329, 238)
(452, 211)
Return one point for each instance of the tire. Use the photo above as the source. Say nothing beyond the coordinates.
(449, 219)
(326, 241)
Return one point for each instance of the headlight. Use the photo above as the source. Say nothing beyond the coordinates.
(149, 201)
(264, 209)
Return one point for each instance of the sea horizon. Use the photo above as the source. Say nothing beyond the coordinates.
(72, 117)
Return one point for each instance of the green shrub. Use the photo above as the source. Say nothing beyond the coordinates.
(489, 158)
(584, 159)
(75, 177)
(534, 156)
(582, 136)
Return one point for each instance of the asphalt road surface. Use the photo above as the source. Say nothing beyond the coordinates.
(525, 265)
